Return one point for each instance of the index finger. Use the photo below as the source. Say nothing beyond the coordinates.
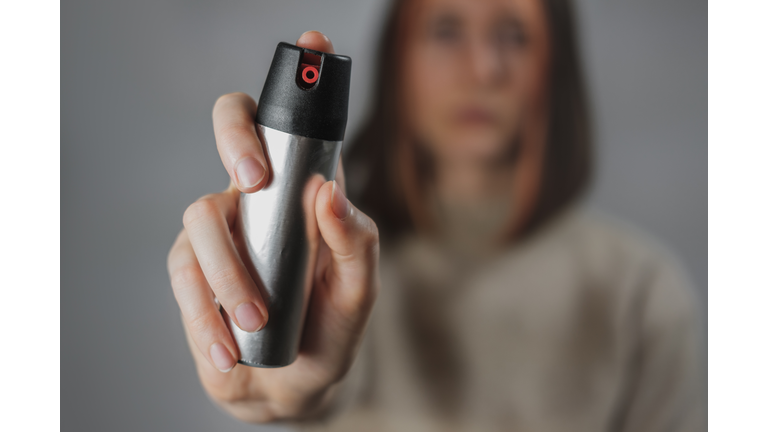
(239, 147)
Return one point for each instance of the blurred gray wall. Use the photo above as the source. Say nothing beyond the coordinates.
(138, 81)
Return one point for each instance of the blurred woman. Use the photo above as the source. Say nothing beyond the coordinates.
(499, 303)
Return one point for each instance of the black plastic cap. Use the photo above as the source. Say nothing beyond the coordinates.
(318, 112)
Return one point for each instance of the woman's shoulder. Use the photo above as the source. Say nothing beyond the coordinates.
(595, 229)
(606, 253)
(598, 239)
(580, 251)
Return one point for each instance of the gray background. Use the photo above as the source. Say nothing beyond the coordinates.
(138, 81)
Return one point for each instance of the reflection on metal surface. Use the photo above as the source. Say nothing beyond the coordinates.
(277, 236)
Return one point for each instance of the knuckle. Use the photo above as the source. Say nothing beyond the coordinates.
(356, 302)
(371, 229)
(201, 323)
(185, 276)
(237, 132)
(352, 306)
(373, 236)
(372, 252)
(202, 209)
(173, 253)
(225, 280)
(205, 322)
(370, 237)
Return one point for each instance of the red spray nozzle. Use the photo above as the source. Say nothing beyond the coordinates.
(309, 73)
(309, 70)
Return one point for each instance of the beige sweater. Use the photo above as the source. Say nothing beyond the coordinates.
(586, 326)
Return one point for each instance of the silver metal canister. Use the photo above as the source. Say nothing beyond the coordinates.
(300, 122)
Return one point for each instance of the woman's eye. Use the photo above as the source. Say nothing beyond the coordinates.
(511, 36)
(447, 34)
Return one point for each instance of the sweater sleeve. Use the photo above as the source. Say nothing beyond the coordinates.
(665, 390)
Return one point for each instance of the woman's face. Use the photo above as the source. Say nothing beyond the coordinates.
(473, 72)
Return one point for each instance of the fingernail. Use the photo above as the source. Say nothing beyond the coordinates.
(249, 172)
(221, 357)
(339, 203)
(249, 318)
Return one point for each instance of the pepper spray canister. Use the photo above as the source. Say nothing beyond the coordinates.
(300, 120)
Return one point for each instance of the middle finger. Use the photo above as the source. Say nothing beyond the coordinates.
(206, 224)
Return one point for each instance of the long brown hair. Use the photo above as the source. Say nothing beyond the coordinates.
(386, 180)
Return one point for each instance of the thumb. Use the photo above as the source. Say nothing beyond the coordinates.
(353, 240)
(315, 40)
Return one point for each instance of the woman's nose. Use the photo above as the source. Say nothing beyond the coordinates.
(486, 63)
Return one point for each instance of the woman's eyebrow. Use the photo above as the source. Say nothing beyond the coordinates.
(445, 18)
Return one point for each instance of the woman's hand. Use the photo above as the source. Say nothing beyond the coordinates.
(204, 263)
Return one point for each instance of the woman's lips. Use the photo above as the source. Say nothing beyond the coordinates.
(475, 116)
